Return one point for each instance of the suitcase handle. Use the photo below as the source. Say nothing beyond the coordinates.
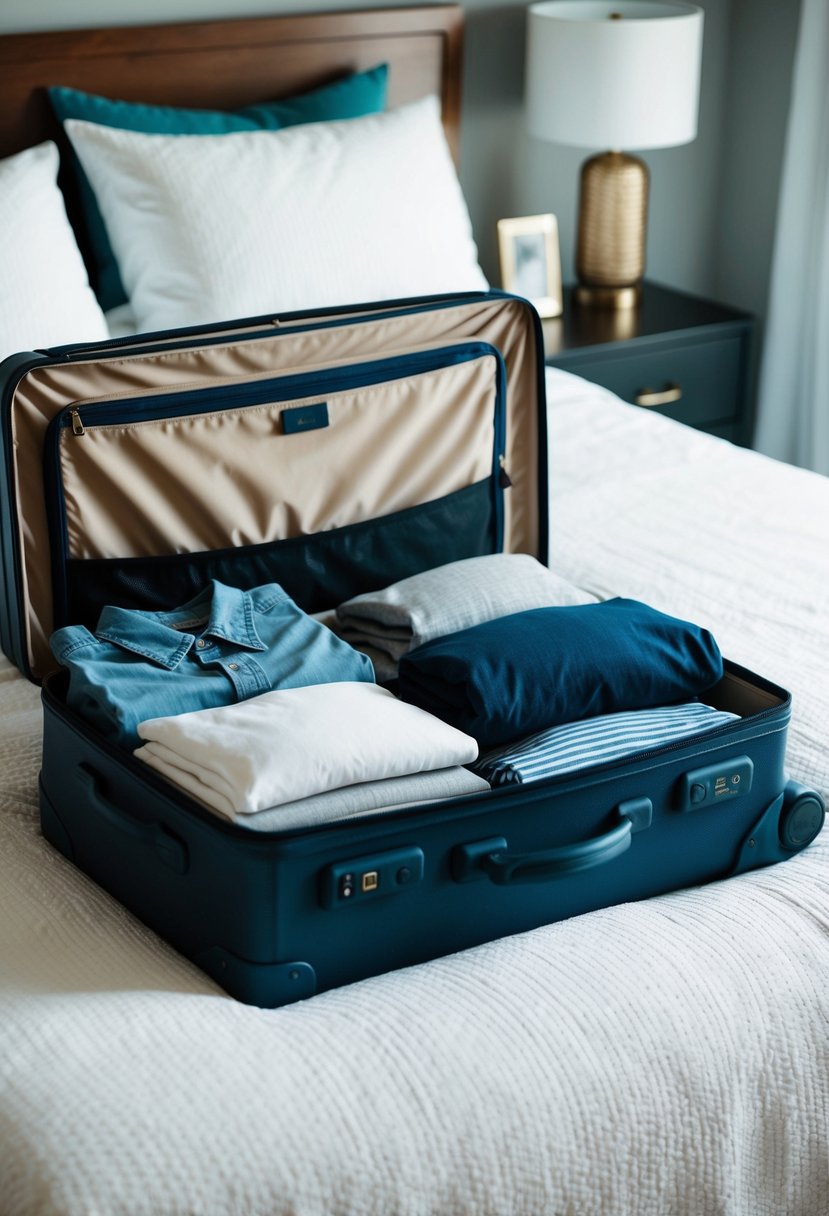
(491, 859)
(505, 868)
(171, 850)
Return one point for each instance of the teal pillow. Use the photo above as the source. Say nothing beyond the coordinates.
(356, 95)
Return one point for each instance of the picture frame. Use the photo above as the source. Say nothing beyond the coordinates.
(530, 260)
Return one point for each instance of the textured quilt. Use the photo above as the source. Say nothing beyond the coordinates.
(667, 1058)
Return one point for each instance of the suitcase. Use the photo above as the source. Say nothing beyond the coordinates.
(136, 469)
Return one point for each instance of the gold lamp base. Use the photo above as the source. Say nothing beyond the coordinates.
(613, 212)
(608, 297)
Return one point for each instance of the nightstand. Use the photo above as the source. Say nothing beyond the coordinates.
(677, 354)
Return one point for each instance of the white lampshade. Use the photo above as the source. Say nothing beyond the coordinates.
(603, 81)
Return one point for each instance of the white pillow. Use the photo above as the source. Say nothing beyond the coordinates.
(207, 228)
(45, 297)
(121, 321)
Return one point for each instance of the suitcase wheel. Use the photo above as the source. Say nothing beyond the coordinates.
(801, 817)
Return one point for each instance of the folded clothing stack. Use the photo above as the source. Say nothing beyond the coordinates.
(269, 719)
(281, 747)
(580, 745)
(387, 624)
(522, 673)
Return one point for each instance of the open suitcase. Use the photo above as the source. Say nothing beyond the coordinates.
(336, 453)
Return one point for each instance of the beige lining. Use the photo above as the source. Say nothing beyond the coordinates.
(44, 392)
(160, 487)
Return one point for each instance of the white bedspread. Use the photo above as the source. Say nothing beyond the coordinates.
(667, 1058)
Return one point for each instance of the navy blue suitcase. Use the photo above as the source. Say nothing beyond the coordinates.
(209, 454)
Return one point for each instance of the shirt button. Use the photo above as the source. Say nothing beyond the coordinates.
(233, 666)
(200, 643)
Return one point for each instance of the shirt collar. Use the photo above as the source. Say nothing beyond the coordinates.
(231, 617)
(229, 613)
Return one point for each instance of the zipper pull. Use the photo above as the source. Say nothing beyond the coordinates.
(78, 427)
(504, 479)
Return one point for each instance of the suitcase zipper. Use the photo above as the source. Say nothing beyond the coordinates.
(251, 328)
(472, 802)
(156, 407)
(203, 400)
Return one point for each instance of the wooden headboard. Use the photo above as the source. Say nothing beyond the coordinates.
(227, 64)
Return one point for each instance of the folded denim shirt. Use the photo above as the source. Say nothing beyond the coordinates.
(223, 646)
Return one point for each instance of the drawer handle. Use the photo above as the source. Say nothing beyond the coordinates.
(647, 396)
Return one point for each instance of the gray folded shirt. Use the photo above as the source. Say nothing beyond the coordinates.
(387, 624)
(367, 798)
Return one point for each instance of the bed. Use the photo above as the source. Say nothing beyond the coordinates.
(664, 1057)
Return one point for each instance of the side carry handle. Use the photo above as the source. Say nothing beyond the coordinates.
(491, 858)
(153, 835)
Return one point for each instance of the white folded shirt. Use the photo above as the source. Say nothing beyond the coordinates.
(297, 742)
(387, 624)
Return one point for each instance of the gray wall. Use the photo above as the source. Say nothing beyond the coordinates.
(762, 43)
(712, 202)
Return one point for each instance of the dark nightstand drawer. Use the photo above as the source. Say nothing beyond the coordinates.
(669, 339)
(707, 374)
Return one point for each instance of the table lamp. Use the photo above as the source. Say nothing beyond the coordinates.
(605, 75)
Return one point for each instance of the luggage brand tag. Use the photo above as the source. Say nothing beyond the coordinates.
(305, 418)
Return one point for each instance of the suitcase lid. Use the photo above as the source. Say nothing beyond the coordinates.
(332, 451)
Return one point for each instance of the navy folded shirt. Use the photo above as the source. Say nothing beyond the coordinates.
(531, 670)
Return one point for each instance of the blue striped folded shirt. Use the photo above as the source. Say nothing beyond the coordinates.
(579, 745)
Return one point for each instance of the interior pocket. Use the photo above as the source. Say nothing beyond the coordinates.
(218, 478)
(317, 571)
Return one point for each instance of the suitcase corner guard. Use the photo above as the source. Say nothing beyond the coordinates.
(267, 985)
(788, 825)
